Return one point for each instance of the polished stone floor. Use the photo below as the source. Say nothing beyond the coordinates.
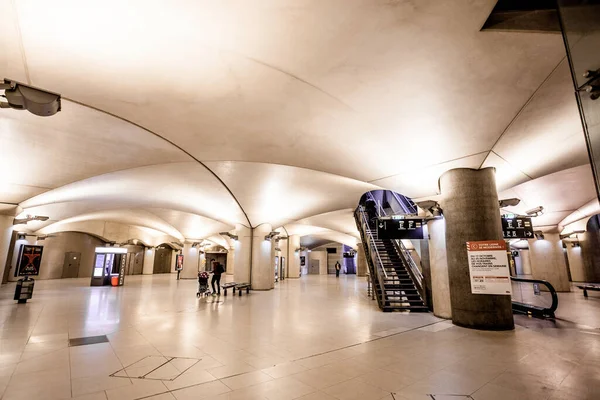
(315, 338)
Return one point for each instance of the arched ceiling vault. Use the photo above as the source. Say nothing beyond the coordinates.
(277, 112)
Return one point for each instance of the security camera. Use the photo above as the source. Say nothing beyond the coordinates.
(509, 202)
(24, 97)
(534, 212)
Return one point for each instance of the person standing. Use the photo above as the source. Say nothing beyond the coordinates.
(338, 267)
(217, 271)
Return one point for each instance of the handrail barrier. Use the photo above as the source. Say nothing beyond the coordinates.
(412, 268)
(534, 297)
(375, 266)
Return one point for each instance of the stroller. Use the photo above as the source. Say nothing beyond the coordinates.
(202, 284)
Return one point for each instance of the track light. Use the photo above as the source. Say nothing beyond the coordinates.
(539, 235)
(432, 206)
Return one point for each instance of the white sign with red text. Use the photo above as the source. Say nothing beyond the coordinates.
(488, 267)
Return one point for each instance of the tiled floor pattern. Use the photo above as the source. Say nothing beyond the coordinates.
(317, 338)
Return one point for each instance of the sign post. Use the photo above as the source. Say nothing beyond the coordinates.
(400, 228)
(488, 267)
(516, 227)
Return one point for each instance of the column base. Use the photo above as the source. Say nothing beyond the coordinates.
(485, 321)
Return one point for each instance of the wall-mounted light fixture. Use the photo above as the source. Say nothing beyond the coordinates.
(539, 235)
(535, 212)
(21, 236)
(509, 202)
(271, 235)
(28, 218)
(432, 207)
(230, 235)
(25, 97)
(572, 235)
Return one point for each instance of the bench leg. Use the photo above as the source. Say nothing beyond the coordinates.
(240, 292)
(585, 293)
(247, 290)
(225, 292)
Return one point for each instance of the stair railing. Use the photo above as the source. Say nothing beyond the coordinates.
(412, 268)
(374, 262)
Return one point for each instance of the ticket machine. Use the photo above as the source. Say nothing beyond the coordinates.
(109, 263)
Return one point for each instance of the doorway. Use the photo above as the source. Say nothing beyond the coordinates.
(71, 264)
(162, 260)
(315, 267)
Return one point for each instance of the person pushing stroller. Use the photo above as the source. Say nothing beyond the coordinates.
(217, 270)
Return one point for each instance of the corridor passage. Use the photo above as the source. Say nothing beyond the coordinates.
(313, 338)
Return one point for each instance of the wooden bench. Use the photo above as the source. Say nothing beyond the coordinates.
(226, 286)
(241, 286)
(588, 287)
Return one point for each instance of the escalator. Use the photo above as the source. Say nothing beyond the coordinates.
(396, 285)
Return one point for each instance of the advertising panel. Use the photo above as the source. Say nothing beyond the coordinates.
(30, 259)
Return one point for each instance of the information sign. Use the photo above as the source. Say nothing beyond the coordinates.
(515, 227)
(406, 228)
(488, 267)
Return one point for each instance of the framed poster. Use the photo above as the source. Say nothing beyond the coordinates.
(178, 262)
(488, 267)
(30, 259)
(302, 261)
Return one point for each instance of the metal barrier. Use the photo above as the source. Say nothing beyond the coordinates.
(534, 297)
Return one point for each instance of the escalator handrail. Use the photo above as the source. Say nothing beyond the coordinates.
(551, 290)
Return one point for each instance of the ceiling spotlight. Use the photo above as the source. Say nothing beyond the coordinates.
(25, 97)
(28, 218)
(508, 202)
(21, 236)
(535, 212)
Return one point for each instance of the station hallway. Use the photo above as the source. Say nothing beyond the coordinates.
(315, 338)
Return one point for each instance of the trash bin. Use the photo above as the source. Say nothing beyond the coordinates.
(114, 280)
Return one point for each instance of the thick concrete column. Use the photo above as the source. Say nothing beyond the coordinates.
(575, 263)
(525, 261)
(242, 251)
(590, 250)
(440, 283)
(6, 229)
(190, 262)
(548, 261)
(361, 260)
(263, 277)
(148, 265)
(294, 261)
(470, 206)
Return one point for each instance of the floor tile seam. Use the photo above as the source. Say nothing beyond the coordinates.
(363, 342)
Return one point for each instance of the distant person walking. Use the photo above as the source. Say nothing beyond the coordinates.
(338, 267)
(217, 270)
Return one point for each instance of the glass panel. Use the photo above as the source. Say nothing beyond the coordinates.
(581, 30)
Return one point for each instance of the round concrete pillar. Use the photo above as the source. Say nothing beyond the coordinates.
(241, 254)
(293, 269)
(440, 285)
(361, 261)
(148, 265)
(470, 206)
(230, 260)
(190, 262)
(6, 229)
(263, 273)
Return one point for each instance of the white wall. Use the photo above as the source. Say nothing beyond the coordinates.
(53, 255)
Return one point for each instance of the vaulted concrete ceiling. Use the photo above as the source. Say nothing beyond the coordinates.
(201, 115)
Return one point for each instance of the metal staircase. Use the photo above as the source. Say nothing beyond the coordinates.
(396, 286)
